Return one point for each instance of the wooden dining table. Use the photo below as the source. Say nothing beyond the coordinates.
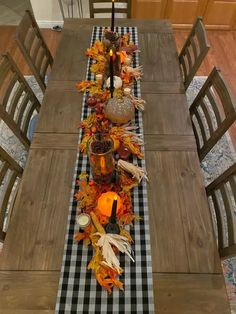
(187, 273)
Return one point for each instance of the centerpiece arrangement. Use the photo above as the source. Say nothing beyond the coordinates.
(110, 138)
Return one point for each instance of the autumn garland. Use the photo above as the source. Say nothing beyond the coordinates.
(128, 175)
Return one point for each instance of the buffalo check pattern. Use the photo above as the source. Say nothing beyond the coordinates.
(78, 290)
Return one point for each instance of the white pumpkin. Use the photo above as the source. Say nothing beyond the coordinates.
(117, 82)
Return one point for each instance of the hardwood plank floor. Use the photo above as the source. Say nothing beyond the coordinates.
(221, 54)
(7, 43)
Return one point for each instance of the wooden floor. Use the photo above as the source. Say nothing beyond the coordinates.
(222, 53)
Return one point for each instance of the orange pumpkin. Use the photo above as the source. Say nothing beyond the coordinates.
(105, 202)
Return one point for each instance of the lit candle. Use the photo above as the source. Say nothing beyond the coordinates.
(113, 15)
(111, 73)
(105, 203)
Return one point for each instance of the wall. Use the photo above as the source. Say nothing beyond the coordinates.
(47, 13)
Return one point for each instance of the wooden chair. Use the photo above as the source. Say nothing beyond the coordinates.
(10, 173)
(222, 196)
(193, 51)
(34, 48)
(17, 101)
(94, 9)
(212, 112)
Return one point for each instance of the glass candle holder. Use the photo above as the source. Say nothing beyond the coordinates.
(101, 158)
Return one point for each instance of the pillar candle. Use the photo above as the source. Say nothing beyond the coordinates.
(113, 15)
(111, 73)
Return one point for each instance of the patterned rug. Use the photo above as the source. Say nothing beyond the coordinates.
(218, 160)
(221, 157)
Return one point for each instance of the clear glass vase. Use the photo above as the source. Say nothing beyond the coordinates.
(101, 158)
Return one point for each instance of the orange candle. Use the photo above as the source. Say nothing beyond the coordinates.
(105, 202)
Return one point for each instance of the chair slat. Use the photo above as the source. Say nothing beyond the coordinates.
(226, 247)
(35, 49)
(44, 66)
(4, 69)
(29, 38)
(3, 171)
(196, 136)
(224, 93)
(219, 96)
(16, 172)
(199, 31)
(108, 10)
(183, 65)
(220, 227)
(97, 10)
(5, 202)
(15, 129)
(190, 61)
(15, 99)
(11, 83)
(214, 106)
(233, 186)
(199, 120)
(27, 119)
(193, 44)
(39, 59)
(20, 96)
(28, 26)
(229, 214)
(208, 117)
(21, 112)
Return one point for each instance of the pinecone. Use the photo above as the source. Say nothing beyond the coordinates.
(112, 36)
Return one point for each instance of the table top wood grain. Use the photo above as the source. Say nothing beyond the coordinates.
(184, 252)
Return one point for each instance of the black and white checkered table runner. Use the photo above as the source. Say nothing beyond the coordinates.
(78, 290)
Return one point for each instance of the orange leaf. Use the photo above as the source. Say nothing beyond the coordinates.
(80, 236)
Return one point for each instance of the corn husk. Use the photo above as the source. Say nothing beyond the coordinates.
(120, 242)
(138, 103)
(136, 171)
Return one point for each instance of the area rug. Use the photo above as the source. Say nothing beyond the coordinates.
(220, 158)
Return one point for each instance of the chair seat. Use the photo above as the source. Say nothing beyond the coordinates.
(32, 126)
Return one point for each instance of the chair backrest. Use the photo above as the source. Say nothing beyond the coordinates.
(212, 112)
(10, 173)
(34, 48)
(104, 6)
(222, 198)
(17, 101)
(193, 51)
